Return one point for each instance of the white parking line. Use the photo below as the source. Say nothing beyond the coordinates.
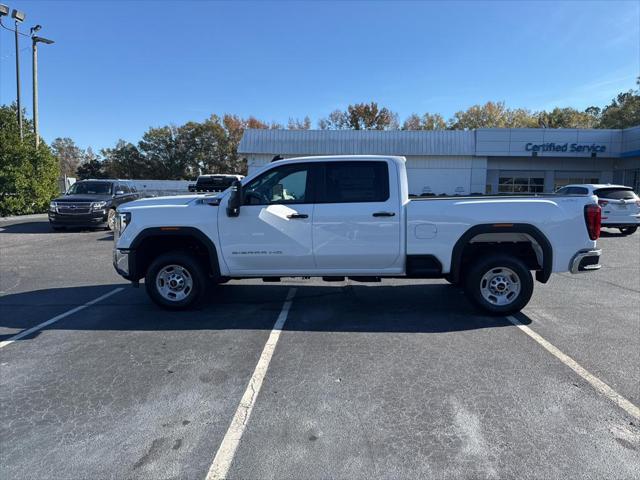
(227, 450)
(595, 382)
(24, 333)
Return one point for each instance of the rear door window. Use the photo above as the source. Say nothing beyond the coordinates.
(352, 182)
(616, 193)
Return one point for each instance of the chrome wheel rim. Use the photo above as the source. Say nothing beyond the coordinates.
(111, 219)
(500, 286)
(174, 283)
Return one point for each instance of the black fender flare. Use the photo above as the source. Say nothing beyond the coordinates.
(182, 232)
(547, 252)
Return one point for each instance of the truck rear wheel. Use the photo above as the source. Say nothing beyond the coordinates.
(175, 281)
(499, 284)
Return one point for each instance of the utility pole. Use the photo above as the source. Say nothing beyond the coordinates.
(34, 72)
(18, 16)
(34, 52)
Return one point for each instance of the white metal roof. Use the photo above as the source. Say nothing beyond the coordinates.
(358, 142)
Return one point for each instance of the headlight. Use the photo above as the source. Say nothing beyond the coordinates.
(124, 219)
(53, 206)
(98, 205)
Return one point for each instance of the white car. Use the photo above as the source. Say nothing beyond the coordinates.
(620, 205)
(351, 216)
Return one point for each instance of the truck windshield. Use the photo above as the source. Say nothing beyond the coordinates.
(90, 188)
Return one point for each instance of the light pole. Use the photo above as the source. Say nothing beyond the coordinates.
(34, 50)
(18, 16)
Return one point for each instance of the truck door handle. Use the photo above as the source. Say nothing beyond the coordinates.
(298, 215)
(384, 214)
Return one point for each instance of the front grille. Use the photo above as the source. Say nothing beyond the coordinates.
(74, 208)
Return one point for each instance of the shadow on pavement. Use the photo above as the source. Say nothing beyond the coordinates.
(40, 227)
(411, 308)
(612, 233)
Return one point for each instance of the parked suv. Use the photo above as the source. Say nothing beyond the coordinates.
(620, 205)
(90, 203)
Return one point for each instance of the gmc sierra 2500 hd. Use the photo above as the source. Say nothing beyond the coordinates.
(351, 216)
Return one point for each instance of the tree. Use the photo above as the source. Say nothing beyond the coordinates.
(569, 118)
(69, 155)
(126, 161)
(427, 122)
(622, 112)
(296, 124)
(28, 176)
(492, 115)
(93, 168)
(361, 116)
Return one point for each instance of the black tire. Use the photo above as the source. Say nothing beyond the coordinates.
(56, 228)
(111, 219)
(194, 273)
(511, 277)
(628, 230)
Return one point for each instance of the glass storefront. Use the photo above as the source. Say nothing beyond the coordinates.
(521, 184)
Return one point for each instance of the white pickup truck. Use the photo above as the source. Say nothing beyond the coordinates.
(351, 216)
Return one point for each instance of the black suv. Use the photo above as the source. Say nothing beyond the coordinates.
(90, 203)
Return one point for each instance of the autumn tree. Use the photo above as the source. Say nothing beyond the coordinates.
(361, 116)
(428, 121)
(297, 124)
(492, 115)
(69, 155)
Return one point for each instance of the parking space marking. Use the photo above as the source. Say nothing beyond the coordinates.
(227, 450)
(594, 381)
(57, 318)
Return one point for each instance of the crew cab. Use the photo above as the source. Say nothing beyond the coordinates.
(620, 205)
(351, 216)
(213, 183)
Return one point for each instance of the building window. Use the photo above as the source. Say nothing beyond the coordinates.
(563, 178)
(561, 182)
(521, 184)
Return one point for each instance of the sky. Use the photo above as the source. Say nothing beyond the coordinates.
(120, 67)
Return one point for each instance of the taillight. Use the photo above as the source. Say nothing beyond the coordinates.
(602, 203)
(592, 217)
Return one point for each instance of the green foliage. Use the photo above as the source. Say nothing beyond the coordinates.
(569, 118)
(622, 112)
(28, 177)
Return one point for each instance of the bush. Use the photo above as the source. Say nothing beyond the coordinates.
(28, 177)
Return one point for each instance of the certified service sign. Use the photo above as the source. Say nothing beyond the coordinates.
(565, 147)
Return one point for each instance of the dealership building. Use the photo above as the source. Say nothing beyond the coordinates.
(486, 160)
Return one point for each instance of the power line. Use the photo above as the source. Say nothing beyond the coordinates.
(11, 29)
(9, 55)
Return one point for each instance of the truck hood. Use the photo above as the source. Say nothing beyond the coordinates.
(160, 202)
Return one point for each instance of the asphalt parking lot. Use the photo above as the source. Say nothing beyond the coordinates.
(402, 379)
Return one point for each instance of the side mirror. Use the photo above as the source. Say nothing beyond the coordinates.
(235, 199)
(120, 192)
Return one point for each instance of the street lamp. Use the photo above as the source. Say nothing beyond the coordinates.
(34, 50)
(18, 16)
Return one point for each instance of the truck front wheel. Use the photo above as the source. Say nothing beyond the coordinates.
(499, 284)
(175, 281)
